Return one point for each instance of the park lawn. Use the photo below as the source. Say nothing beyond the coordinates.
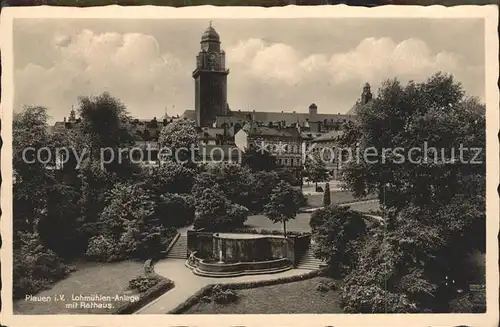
(366, 207)
(295, 297)
(299, 224)
(301, 221)
(105, 279)
(337, 197)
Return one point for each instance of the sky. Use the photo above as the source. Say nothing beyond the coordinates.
(275, 64)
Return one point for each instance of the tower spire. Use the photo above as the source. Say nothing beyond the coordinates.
(72, 114)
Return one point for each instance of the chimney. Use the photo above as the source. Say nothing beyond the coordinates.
(313, 111)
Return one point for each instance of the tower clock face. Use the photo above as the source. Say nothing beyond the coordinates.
(212, 60)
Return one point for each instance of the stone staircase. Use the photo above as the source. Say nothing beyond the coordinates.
(179, 249)
(309, 261)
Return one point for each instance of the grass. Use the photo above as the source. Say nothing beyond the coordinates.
(366, 207)
(105, 279)
(295, 297)
(301, 221)
(299, 224)
(337, 197)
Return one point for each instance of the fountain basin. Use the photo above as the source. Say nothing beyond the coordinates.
(236, 248)
(213, 268)
(235, 254)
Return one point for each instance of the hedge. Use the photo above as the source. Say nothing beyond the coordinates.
(265, 232)
(163, 286)
(195, 298)
(159, 289)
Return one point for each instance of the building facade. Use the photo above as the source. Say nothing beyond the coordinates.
(326, 147)
(281, 142)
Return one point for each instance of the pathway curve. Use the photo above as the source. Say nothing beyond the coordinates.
(343, 205)
(187, 284)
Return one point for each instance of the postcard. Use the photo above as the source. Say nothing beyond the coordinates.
(291, 166)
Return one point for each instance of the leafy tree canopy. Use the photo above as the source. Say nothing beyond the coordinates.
(284, 204)
(436, 112)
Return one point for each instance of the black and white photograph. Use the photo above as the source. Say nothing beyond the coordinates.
(234, 162)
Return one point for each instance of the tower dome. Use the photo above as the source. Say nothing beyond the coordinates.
(210, 34)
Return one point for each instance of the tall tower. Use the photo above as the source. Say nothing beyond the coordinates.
(210, 78)
(366, 96)
(72, 115)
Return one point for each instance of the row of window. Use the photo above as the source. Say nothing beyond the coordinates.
(278, 147)
(289, 162)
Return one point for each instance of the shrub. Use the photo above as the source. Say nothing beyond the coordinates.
(175, 210)
(143, 283)
(102, 248)
(461, 304)
(374, 299)
(338, 233)
(223, 296)
(326, 197)
(163, 286)
(146, 240)
(236, 215)
(206, 299)
(327, 284)
(322, 288)
(35, 267)
(266, 231)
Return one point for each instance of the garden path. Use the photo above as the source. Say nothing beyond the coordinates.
(187, 284)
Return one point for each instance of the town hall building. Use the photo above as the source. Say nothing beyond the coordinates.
(211, 107)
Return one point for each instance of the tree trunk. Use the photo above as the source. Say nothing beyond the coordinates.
(284, 228)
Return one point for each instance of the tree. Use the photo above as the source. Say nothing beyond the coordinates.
(129, 226)
(179, 138)
(436, 113)
(284, 204)
(62, 215)
(94, 183)
(215, 212)
(176, 210)
(124, 204)
(393, 270)
(432, 203)
(170, 177)
(210, 208)
(338, 233)
(32, 178)
(104, 122)
(316, 170)
(290, 175)
(259, 160)
(326, 197)
(36, 266)
(234, 180)
(202, 182)
(103, 118)
(261, 188)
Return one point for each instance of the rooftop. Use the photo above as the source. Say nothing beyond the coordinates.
(330, 136)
